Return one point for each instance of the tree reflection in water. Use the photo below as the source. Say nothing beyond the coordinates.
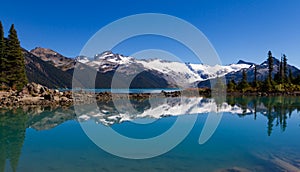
(276, 109)
(13, 124)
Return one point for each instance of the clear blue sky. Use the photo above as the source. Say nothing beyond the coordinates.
(238, 29)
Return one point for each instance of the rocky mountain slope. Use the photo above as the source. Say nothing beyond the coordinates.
(56, 59)
(45, 73)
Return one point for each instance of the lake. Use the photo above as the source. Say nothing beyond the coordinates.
(254, 134)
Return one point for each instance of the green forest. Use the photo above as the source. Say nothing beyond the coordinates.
(12, 63)
(283, 81)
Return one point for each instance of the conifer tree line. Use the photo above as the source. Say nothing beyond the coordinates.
(282, 81)
(12, 63)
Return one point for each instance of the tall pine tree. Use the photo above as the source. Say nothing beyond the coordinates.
(15, 64)
(255, 83)
(279, 77)
(2, 55)
(243, 85)
(270, 64)
(290, 78)
(285, 68)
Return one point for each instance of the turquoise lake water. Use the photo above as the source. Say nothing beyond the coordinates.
(255, 134)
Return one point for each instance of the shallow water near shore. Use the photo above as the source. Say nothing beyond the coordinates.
(255, 134)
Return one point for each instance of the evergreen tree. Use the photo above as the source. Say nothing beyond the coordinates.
(280, 71)
(2, 55)
(270, 64)
(285, 69)
(279, 76)
(243, 85)
(290, 78)
(15, 61)
(267, 86)
(231, 86)
(255, 83)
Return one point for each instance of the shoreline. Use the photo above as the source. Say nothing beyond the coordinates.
(264, 94)
(37, 95)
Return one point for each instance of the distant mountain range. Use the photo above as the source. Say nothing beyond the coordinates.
(49, 68)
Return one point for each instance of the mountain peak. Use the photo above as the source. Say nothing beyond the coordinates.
(53, 57)
(110, 57)
(244, 62)
(106, 55)
(43, 53)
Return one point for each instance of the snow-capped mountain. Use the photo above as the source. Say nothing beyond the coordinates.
(106, 61)
(176, 73)
(152, 72)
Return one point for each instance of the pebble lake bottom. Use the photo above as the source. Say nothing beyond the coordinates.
(242, 142)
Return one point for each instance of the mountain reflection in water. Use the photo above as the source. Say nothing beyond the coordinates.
(276, 109)
(13, 123)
